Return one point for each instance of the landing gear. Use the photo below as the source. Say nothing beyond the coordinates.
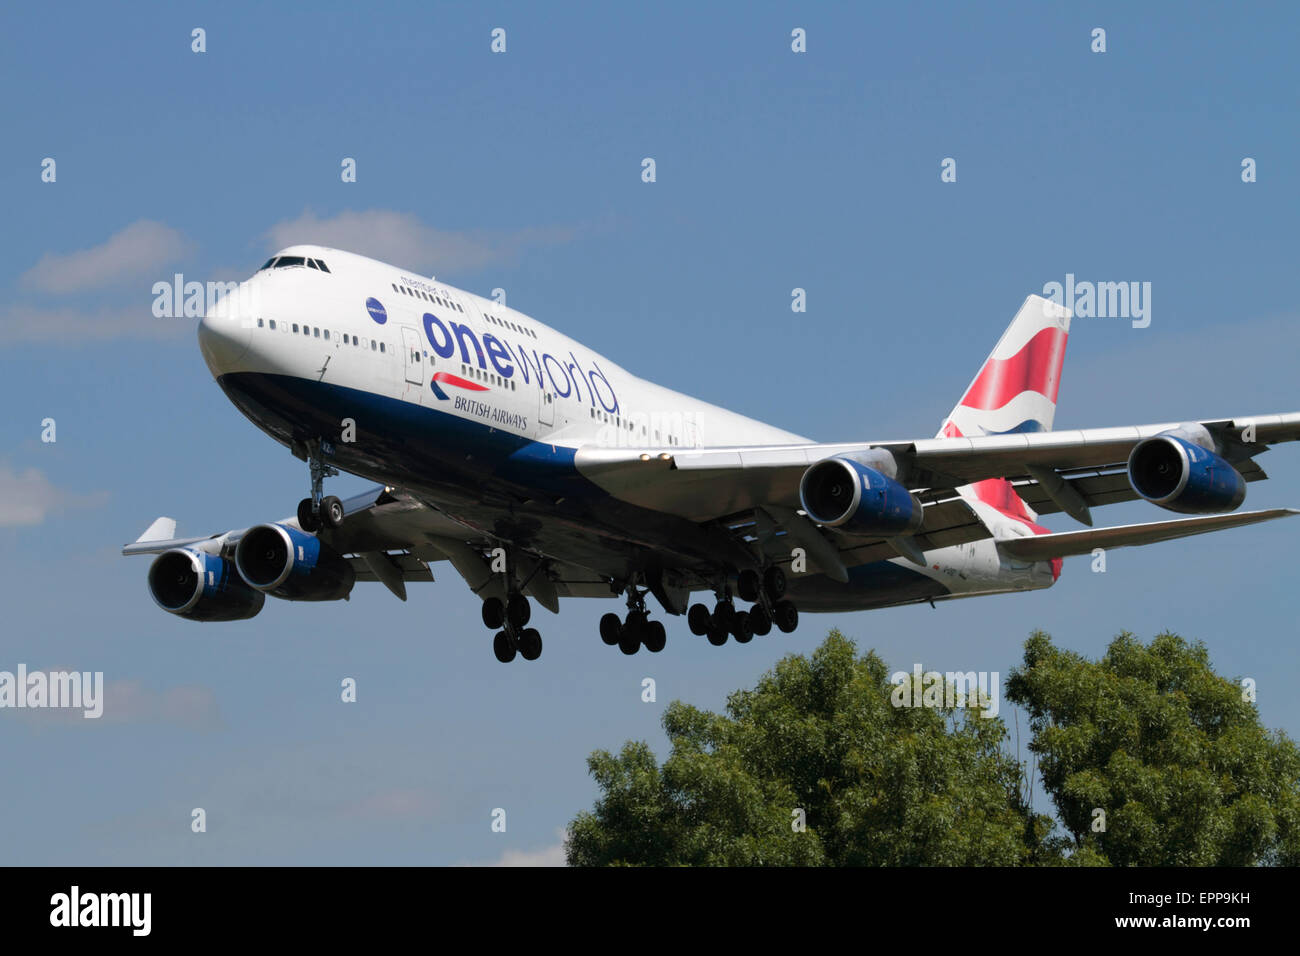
(509, 618)
(767, 592)
(636, 630)
(319, 511)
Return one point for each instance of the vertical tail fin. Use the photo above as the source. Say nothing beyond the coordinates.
(1016, 388)
(1015, 391)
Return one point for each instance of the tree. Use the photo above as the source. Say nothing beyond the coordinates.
(1171, 753)
(817, 741)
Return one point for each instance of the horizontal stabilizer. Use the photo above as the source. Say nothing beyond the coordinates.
(1043, 547)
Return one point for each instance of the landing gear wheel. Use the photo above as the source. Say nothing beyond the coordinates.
(494, 612)
(717, 636)
(655, 637)
(306, 519)
(760, 622)
(610, 628)
(629, 642)
(741, 628)
(503, 647)
(331, 511)
(774, 583)
(723, 612)
(787, 616)
(698, 619)
(747, 585)
(530, 644)
(517, 611)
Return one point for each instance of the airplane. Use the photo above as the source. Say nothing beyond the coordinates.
(540, 470)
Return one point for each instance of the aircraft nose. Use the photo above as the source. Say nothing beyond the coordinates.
(224, 336)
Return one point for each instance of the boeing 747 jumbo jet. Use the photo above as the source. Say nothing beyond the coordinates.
(539, 469)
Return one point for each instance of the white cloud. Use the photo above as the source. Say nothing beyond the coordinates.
(141, 249)
(28, 498)
(26, 324)
(552, 855)
(401, 239)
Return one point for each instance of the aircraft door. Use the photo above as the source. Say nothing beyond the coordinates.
(414, 363)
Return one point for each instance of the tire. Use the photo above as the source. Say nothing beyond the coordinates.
(741, 629)
(747, 585)
(610, 628)
(503, 647)
(518, 611)
(787, 616)
(760, 622)
(331, 512)
(530, 644)
(774, 583)
(717, 636)
(629, 642)
(656, 637)
(306, 520)
(698, 619)
(723, 612)
(494, 613)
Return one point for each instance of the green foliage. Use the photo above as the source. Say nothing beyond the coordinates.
(877, 784)
(1170, 751)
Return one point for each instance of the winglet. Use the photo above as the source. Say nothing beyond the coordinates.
(163, 529)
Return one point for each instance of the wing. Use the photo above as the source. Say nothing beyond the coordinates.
(393, 537)
(709, 483)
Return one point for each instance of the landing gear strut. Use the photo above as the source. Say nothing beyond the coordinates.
(319, 511)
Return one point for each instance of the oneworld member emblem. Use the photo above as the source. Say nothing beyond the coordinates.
(377, 311)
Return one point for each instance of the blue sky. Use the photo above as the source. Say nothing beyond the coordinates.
(522, 171)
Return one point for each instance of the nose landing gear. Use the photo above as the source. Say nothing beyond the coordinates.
(319, 510)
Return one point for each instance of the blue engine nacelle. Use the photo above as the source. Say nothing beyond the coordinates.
(1184, 476)
(848, 495)
(291, 564)
(201, 587)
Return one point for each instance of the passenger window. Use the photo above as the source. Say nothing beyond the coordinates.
(272, 323)
(315, 332)
(381, 346)
(295, 328)
(372, 345)
(259, 323)
(326, 335)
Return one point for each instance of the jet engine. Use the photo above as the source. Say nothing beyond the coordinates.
(201, 587)
(857, 499)
(1179, 470)
(291, 564)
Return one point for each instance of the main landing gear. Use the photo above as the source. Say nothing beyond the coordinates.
(636, 630)
(317, 511)
(767, 592)
(514, 637)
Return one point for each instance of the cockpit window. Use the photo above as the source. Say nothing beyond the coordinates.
(320, 264)
(284, 261)
(267, 264)
(312, 263)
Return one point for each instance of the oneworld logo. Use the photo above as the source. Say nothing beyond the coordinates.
(564, 375)
(75, 908)
(377, 311)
